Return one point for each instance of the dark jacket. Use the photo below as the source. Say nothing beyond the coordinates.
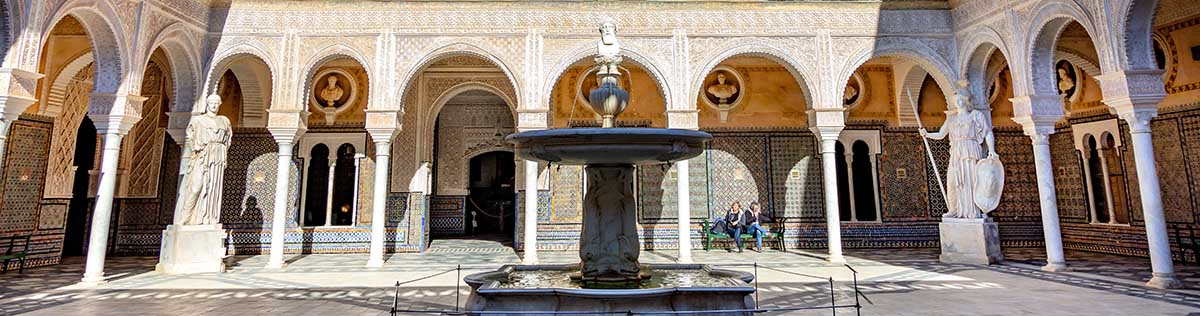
(731, 218)
(748, 218)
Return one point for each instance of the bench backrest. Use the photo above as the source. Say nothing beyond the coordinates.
(12, 243)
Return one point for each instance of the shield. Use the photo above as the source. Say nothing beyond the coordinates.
(989, 183)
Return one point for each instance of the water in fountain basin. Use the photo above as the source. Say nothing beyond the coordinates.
(659, 278)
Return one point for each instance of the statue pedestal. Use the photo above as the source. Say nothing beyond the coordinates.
(971, 241)
(192, 249)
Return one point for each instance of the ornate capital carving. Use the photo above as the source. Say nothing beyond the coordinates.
(1132, 89)
(287, 125)
(177, 123)
(115, 113)
(1139, 120)
(683, 119)
(829, 120)
(383, 124)
(532, 119)
(17, 91)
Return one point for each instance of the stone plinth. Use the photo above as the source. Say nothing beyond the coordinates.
(971, 241)
(192, 249)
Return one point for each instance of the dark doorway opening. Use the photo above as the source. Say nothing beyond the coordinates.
(81, 203)
(491, 200)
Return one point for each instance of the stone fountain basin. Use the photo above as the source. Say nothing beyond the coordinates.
(728, 290)
(609, 146)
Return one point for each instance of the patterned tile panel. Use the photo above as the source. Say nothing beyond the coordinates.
(738, 170)
(566, 194)
(1131, 180)
(1068, 178)
(446, 215)
(941, 156)
(24, 173)
(902, 179)
(797, 190)
(1019, 201)
(656, 193)
(1172, 171)
(1190, 137)
(249, 181)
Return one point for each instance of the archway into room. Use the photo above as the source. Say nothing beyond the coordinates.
(81, 190)
(491, 200)
(474, 166)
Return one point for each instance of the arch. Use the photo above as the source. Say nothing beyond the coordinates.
(912, 50)
(104, 30)
(255, 83)
(452, 49)
(441, 100)
(329, 53)
(1137, 50)
(6, 27)
(1048, 24)
(181, 55)
(587, 50)
(58, 88)
(756, 49)
(1087, 65)
(976, 68)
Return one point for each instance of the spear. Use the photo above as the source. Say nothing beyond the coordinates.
(936, 173)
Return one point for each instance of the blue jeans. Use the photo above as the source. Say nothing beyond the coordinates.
(736, 233)
(758, 232)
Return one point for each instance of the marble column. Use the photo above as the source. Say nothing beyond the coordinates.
(285, 138)
(531, 216)
(1134, 96)
(684, 197)
(1151, 196)
(1055, 260)
(383, 149)
(832, 210)
(114, 127)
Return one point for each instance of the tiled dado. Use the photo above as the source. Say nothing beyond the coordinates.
(319, 240)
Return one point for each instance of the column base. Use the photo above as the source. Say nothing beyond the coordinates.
(276, 265)
(837, 259)
(684, 261)
(1056, 267)
(192, 249)
(375, 263)
(970, 241)
(1164, 281)
(528, 261)
(92, 280)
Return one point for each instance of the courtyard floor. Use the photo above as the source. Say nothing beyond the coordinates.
(896, 282)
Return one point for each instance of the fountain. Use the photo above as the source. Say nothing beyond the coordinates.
(609, 277)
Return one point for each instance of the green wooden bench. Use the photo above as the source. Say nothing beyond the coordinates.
(774, 232)
(15, 251)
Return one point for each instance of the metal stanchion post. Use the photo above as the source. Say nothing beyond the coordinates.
(457, 291)
(832, 298)
(756, 285)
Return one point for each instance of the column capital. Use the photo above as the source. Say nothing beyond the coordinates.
(683, 119)
(287, 125)
(827, 121)
(1037, 109)
(1128, 90)
(532, 119)
(383, 124)
(18, 90)
(1138, 119)
(115, 113)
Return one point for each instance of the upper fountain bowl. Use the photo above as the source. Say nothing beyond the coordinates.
(614, 146)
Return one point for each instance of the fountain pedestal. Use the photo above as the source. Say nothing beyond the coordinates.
(608, 243)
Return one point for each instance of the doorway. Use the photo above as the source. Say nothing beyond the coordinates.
(81, 202)
(491, 200)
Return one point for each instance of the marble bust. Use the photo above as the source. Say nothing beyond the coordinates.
(609, 51)
(332, 93)
(1065, 83)
(721, 90)
(209, 135)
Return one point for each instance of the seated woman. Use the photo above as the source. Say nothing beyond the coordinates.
(736, 218)
(755, 220)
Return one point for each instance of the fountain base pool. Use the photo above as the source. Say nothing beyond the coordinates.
(667, 287)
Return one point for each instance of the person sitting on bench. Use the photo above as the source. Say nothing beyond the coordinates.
(736, 221)
(755, 220)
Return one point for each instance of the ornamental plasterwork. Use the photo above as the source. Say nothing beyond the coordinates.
(506, 52)
(554, 18)
(791, 52)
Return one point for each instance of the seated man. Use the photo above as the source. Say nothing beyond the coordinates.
(755, 219)
(736, 221)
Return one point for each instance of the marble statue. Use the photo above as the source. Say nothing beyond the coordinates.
(967, 129)
(721, 90)
(209, 135)
(332, 92)
(609, 51)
